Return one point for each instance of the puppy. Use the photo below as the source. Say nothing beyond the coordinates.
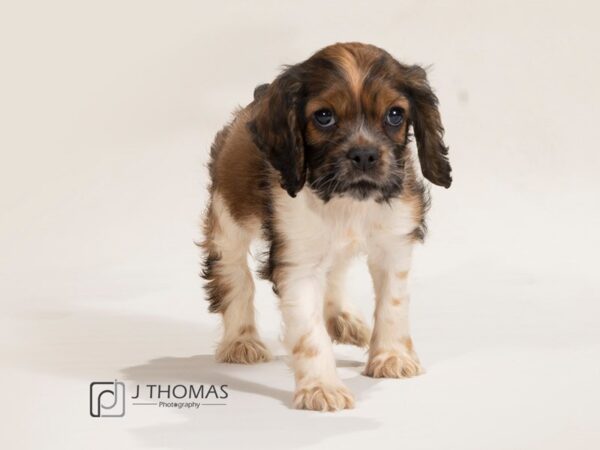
(319, 165)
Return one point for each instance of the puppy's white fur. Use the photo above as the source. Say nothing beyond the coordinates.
(319, 240)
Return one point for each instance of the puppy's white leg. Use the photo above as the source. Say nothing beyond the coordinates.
(391, 354)
(318, 386)
(344, 324)
(230, 286)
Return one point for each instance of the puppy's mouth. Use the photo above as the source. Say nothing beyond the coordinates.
(363, 187)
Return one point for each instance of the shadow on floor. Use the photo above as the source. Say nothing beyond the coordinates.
(258, 413)
(103, 345)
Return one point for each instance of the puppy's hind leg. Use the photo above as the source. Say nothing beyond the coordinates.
(230, 287)
(344, 324)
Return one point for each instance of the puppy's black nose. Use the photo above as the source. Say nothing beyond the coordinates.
(363, 158)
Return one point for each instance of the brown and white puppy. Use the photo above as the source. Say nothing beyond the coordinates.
(319, 165)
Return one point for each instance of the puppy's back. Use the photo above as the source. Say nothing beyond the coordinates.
(238, 170)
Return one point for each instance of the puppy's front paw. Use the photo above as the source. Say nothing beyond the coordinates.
(347, 328)
(244, 350)
(323, 397)
(393, 364)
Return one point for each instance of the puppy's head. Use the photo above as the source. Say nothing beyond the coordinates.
(340, 122)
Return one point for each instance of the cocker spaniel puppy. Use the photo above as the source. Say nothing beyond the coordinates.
(319, 165)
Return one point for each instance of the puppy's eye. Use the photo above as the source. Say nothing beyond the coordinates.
(395, 116)
(324, 118)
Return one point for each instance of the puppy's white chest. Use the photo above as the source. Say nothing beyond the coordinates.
(350, 224)
(317, 232)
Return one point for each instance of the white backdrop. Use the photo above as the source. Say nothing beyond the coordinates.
(107, 112)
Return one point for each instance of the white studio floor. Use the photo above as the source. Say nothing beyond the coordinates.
(106, 140)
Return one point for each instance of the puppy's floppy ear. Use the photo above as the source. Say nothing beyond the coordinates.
(260, 90)
(277, 129)
(428, 127)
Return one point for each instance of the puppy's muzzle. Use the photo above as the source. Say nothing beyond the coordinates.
(363, 158)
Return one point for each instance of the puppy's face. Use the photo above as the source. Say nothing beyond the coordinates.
(356, 128)
(340, 122)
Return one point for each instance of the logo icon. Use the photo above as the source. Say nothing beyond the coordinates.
(107, 399)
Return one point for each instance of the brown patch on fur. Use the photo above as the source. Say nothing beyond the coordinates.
(248, 329)
(346, 328)
(375, 353)
(402, 275)
(238, 170)
(303, 349)
(396, 301)
(299, 374)
(408, 343)
(352, 237)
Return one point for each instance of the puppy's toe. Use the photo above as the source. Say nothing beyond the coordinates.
(244, 350)
(323, 397)
(348, 328)
(393, 365)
